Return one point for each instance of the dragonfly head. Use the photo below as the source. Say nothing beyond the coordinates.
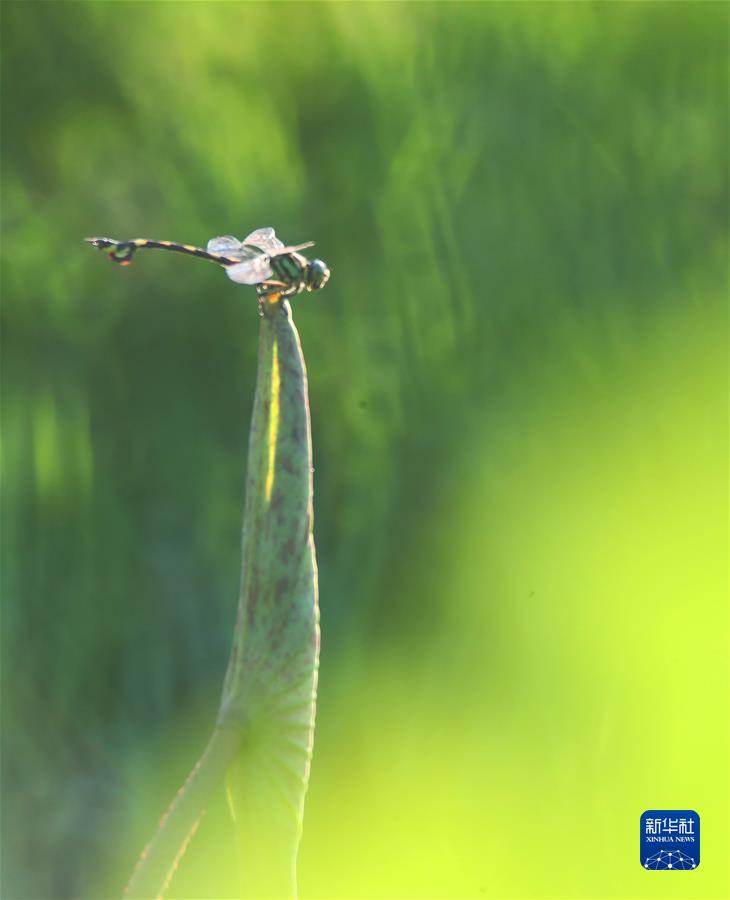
(317, 275)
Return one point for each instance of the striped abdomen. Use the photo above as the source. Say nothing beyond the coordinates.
(124, 251)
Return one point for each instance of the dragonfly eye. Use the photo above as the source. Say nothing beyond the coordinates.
(317, 275)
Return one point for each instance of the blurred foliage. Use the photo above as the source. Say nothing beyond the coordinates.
(517, 379)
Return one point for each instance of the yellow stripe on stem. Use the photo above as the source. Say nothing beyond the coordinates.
(273, 419)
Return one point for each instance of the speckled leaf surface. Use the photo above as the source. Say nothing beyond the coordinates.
(263, 738)
(270, 685)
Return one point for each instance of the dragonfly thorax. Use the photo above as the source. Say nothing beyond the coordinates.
(298, 273)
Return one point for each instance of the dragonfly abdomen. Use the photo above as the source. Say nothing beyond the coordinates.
(122, 251)
(188, 249)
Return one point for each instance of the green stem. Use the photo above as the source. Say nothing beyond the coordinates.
(270, 684)
(265, 729)
(158, 861)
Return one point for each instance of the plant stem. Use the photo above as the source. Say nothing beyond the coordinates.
(265, 729)
(159, 859)
(270, 685)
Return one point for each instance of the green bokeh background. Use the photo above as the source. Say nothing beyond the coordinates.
(518, 390)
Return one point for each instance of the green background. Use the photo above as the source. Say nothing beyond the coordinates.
(517, 379)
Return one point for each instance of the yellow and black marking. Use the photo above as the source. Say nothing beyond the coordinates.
(121, 252)
(297, 273)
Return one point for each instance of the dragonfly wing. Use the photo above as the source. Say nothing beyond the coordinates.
(252, 271)
(224, 244)
(294, 248)
(265, 239)
(231, 247)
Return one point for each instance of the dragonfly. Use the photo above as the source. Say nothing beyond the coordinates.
(260, 259)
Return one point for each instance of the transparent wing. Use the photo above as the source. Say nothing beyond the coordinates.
(294, 248)
(252, 271)
(232, 248)
(224, 244)
(261, 241)
(265, 239)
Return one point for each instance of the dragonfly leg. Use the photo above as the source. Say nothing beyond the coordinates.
(272, 289)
